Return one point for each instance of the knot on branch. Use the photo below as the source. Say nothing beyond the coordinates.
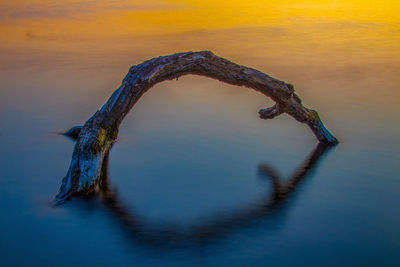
(271, 112)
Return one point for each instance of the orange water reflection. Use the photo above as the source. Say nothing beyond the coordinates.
(197, 139)
(324, 47)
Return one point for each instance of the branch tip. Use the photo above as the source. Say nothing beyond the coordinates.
(270, 113)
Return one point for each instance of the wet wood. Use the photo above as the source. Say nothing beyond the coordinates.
(95, 137)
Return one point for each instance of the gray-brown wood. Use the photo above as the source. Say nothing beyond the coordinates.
(95, 138)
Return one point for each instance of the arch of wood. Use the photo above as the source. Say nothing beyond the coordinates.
(95, 137)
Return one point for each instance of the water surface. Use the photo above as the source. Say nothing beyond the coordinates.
(191, 177)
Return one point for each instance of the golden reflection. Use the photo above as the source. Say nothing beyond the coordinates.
(302, 41)
(101, 19)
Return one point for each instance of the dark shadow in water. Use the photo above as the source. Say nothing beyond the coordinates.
(205, 232)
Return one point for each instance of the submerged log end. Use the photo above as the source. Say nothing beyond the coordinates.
(65, 192)
(323, 135)
(83, 179)
(85, 172)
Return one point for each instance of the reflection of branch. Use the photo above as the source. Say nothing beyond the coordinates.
(283, 189)
(139, 230)
(95, 137)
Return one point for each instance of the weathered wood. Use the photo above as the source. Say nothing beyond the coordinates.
(95, 138)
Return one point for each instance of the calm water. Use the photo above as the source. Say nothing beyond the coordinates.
(190, 179)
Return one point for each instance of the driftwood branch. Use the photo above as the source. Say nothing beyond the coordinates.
(94, 139)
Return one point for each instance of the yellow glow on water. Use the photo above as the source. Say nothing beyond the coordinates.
(100, 19)
(320, 36)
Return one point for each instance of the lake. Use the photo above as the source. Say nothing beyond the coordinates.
(191, 178)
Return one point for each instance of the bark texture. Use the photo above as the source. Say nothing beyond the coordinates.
(95, 137)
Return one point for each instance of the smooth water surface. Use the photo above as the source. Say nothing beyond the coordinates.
(191, 176)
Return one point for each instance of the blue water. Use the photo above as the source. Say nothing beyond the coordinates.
(186, 175)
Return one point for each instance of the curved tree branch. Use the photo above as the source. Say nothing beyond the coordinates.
(94, 139)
